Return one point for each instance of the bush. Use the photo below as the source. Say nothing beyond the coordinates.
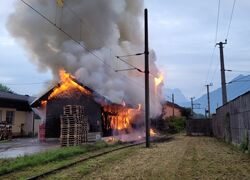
(176, 124)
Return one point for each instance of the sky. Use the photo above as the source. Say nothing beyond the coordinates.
(182, 33)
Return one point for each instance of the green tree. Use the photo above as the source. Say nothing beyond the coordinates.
(186, 112)
(4, 88)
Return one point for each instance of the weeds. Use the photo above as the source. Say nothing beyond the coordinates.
(49, 156)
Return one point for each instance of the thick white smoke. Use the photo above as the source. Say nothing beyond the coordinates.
(105, 27)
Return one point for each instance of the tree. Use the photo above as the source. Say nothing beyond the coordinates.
(4, 88)
(186, 112)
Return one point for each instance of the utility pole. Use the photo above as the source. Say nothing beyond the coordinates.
(223, 77)
(173, 103)
(192, 106)
(147, 108)
(208, 100)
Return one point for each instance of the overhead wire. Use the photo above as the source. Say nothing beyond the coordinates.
(236, 71)
(22, 84)
(79, 43)
(231, 17)
(214, 47)
(111, 51)
(90, 51)
(217, 22)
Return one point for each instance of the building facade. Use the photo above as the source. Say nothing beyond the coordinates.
(170, 109)
(15, 111)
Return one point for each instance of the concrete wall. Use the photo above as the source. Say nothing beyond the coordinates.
(232, 121)
(22, 121)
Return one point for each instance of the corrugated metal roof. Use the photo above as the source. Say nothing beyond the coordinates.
(12, 96)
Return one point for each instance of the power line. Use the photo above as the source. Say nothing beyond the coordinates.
(79, 43)
(136, 68)
(129, 55)
(210, 64)
(81, 20)
(215, 40)
(17, 84)
(215, 70)
(231, 17)
(119, 57)
(236, 71)
(217, 22)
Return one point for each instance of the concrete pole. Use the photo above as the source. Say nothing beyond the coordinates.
(223, 76)
(173, 103)
(147, 106)
(208, 101)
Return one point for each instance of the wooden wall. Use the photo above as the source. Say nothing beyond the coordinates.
(199, 127)
(55, 108)
(232, 121)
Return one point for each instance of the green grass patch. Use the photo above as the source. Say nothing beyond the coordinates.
(5, 141)
(176, 124)
(19, 163)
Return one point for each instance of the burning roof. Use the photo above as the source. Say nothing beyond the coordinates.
(67, 83)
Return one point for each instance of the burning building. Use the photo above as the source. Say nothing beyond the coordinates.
(85, 39)
(103, 116)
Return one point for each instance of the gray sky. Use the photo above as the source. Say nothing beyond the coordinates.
(181, 32)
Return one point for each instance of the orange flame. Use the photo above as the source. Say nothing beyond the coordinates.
(158, 81)
(67, 84)
(152, 132)
(43, 103)
(122, 117)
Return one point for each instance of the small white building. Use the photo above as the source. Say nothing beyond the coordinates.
(15, 110)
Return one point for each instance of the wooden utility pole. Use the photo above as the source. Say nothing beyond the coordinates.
(147, 107)
(173, 103)
(208, 100)
(223, 77)
(192, 106)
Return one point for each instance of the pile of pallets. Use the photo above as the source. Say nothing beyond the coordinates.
(5, 131)
(74, 126)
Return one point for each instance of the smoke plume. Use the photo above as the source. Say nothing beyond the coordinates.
(101, 30)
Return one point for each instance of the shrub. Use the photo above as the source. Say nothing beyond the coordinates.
(176, 124)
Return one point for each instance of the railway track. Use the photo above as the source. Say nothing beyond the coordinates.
(42, 175)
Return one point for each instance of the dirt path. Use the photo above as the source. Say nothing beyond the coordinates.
(182, 158)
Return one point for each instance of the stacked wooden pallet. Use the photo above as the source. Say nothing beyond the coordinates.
(5, 131)
(74, 126)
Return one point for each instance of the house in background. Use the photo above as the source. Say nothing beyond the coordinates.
(170, 109)
(15, 110)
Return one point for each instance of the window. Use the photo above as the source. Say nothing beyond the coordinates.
(10, 117)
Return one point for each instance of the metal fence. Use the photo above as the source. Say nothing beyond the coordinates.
(232, 121)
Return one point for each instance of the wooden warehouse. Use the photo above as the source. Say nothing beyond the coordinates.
(69, 91)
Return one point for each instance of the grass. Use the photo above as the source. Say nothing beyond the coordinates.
(5, 141)
(183, 158)
(60, 154)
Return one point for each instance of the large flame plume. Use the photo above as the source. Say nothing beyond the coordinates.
(66, 85)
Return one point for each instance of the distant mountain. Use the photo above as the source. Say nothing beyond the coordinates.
(178, 96)
(239, 85)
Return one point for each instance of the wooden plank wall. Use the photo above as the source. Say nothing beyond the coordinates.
(199, 127)
(232, 121)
